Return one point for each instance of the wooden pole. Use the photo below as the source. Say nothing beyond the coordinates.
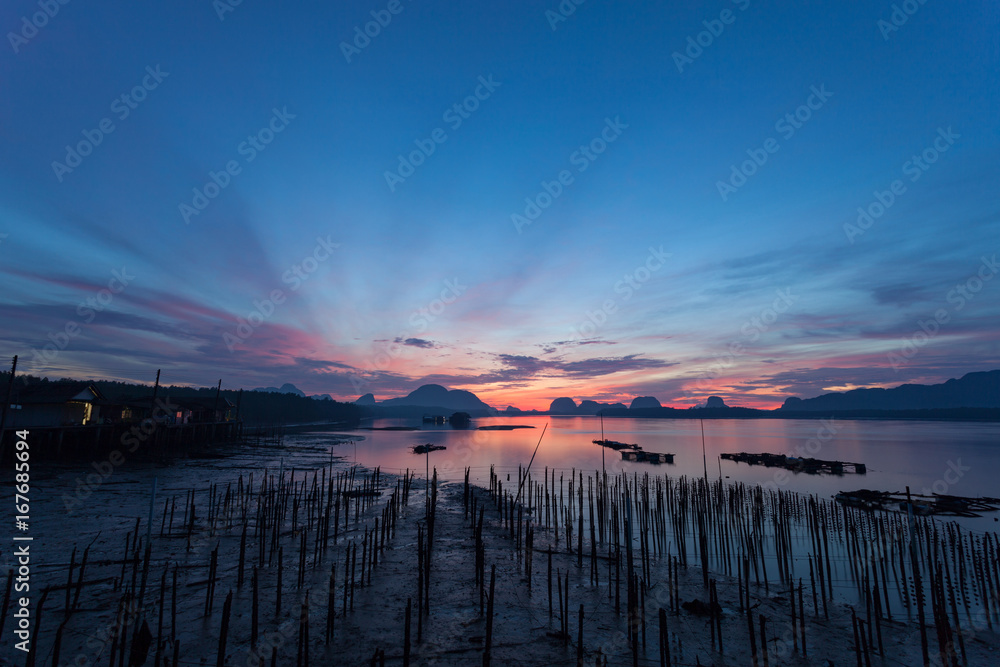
(489, 618)
(156, 390)
(224, 631)
(664, 640)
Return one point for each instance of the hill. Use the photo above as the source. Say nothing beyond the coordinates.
(287, 388)
(430, 398)
(973, 390)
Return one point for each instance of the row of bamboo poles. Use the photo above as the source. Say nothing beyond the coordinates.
(804, 546)
(307, 513)
(643, 529)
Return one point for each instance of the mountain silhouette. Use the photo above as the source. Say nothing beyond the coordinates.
(563, 406)
(567, 406)
(644, 402)
(436, 396)
(593, 407)
(367, 399)
(973, 390)
(287, 388)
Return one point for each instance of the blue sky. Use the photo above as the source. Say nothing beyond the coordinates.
(518, 313)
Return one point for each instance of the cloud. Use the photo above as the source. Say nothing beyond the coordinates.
(416, 342)
(899, 295)
(523, 367)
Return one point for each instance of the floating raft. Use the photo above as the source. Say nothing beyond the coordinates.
(633, 452)
(813, 466)
(424, 449)
(921, 505)
(617, 446)
(647, 457)
(388, 428)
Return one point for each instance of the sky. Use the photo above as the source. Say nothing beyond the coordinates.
(526, 200)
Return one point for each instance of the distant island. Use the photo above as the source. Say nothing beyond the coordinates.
(427, 400)
(974, 396)
(973, 390)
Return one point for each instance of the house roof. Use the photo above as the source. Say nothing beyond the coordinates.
(58, 392)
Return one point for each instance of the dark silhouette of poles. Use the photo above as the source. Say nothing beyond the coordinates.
(224, 631)
(489, 618)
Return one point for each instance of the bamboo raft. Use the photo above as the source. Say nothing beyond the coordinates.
(502, 427)
(809, 465)
(921, 505)
(633, 452)
(617, 446)
(642, 456)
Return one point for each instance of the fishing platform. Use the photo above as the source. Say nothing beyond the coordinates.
(633, 452)
(797, 464)
(647, 457)
(919, 504)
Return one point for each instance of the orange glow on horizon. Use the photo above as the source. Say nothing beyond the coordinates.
(540, 397)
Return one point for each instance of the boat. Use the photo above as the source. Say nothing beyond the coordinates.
(425, 449)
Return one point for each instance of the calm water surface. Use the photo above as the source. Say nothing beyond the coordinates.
(945, 457)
